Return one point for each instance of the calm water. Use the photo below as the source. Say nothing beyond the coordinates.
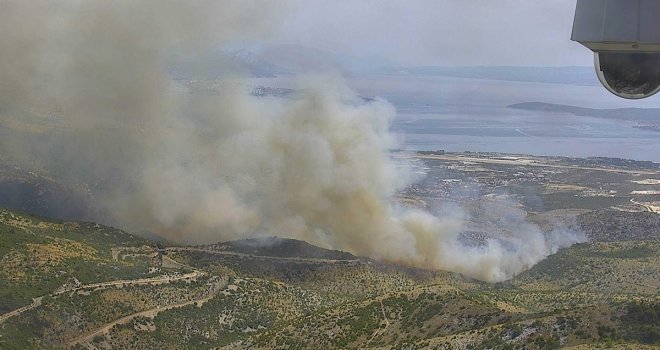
(457, 114)
(514, 131)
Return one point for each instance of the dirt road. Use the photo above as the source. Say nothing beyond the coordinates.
(142, 281)
(35, 302)
(221, 252)
(151, 313)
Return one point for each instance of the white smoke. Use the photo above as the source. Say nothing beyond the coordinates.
(314, 166)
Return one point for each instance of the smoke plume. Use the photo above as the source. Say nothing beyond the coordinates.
(195, 168)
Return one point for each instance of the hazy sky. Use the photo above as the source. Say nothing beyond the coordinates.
(440, 32)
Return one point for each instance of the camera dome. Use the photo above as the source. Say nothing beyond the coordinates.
(630, 75)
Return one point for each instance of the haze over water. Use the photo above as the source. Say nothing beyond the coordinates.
(460, 114)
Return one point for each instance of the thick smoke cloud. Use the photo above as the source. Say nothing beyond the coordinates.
(201, 168)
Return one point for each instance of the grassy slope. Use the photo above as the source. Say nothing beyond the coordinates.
(595, 293)
(37, 256)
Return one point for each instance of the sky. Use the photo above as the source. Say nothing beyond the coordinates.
(439, 32)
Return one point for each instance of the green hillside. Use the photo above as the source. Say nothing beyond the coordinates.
(102, 288)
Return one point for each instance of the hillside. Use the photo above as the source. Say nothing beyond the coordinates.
(614, 225)
(34, 193)
(280, 247)
(87, 286)
(74, 284)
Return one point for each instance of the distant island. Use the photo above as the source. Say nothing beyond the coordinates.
(645, 118)
(578, 76)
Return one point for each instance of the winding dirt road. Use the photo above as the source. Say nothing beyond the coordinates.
(380, 330)
(166, 279)
(35, 302)
(142, 281)
(151, 313)
(262, 257)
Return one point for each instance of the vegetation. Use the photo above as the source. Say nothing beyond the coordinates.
(287, 294)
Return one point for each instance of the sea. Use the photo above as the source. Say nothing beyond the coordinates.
(468, 114)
